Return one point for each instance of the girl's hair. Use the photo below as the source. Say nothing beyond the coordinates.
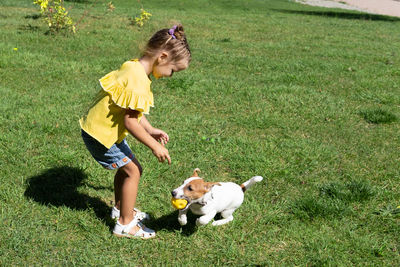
(171, 40)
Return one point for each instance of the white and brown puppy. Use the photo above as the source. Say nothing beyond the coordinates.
(208, 199)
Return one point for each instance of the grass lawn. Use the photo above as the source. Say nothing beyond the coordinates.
(307, 97)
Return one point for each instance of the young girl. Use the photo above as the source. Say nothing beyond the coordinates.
(119, 109)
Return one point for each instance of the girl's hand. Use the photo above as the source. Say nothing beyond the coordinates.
(160, 136)
(162, 154)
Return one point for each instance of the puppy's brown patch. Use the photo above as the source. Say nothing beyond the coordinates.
(243, 187)
(197, 188)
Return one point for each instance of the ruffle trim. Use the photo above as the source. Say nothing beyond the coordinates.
(126, 98)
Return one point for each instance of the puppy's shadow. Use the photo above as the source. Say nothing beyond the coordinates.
(170, 223)
(59, 187)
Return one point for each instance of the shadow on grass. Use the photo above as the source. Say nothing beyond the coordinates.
(58, 187)
(33, 16)
(28, 27)
(341, 15)
(170, 223)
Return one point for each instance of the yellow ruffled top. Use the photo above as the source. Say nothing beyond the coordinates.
(126, 88)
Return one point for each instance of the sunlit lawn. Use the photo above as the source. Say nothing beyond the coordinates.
(306, 97)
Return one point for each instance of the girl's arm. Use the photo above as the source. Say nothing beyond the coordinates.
(140, 133)
(157, 134)
(146, 124)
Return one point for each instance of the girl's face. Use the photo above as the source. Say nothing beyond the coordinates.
(164, 67)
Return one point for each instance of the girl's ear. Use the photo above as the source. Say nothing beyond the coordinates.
(162, 57)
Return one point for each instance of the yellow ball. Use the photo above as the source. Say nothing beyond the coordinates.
(179, 203)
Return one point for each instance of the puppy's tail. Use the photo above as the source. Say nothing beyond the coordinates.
(246, 185)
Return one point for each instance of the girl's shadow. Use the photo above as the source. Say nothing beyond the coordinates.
(58, 187)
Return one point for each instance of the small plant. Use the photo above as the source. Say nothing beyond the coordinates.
(110, 7)
(309, 208)
(389, 211)
(211, 139)
(332, 190)
(142, 18)
(352, 191)
(55, 15)
(378, 115)
(333, 201)
(359, 191)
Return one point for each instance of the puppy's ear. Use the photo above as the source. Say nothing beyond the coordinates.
(209, 185)
(195, 172)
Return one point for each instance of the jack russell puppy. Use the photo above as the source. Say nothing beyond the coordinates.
(208, 199)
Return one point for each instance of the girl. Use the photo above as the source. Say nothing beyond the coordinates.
(119, 109)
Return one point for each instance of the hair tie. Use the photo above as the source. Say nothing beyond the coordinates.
(172, 31)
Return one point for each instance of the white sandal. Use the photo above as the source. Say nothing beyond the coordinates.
(143, 232)
(140, 215)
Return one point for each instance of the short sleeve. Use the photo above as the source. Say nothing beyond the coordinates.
(128, 88)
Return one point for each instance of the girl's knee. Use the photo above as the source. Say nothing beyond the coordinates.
(132, 169)
(136, 162)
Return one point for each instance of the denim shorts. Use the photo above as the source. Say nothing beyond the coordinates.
(115, 157)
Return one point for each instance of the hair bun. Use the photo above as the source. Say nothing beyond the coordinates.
(179, 32)
(172, 40)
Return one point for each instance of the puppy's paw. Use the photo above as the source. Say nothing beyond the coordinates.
(182, 220)
(219, 222)
(198, 222)
(201, 221)
(222, 221)
(216, 223)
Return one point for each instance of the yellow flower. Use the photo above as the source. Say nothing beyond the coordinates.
(15, 48)
(110, 7)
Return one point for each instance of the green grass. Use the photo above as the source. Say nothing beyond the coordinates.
(307, 97)
(378, 115)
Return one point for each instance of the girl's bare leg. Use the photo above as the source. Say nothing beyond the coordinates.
(126, 183)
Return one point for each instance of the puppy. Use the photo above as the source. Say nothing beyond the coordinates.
(208, 199)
